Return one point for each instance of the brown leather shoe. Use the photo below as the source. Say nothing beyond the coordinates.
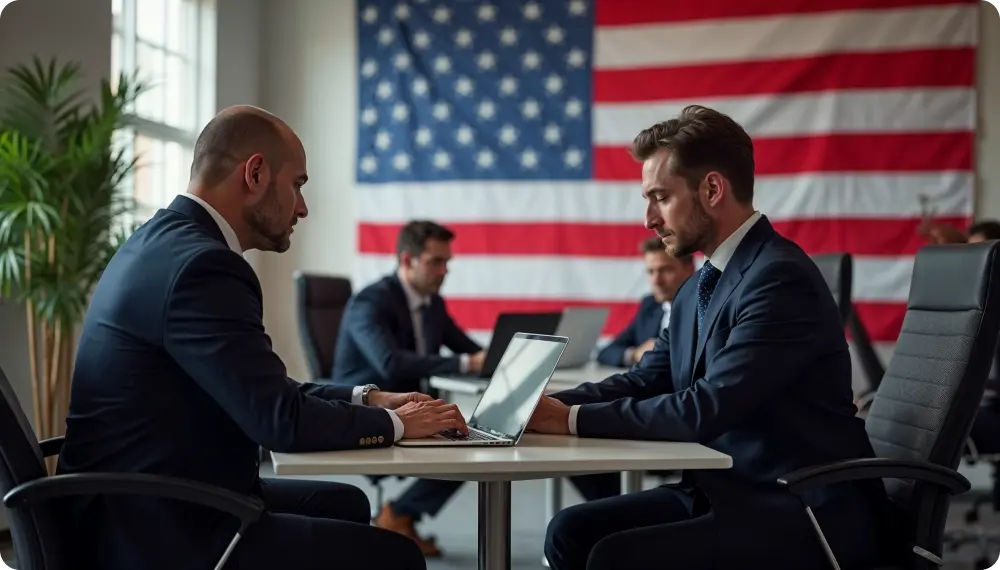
(404, 525)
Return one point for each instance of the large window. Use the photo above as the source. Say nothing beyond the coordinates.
(171, 44)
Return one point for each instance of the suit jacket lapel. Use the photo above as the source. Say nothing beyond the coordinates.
(742, 259)
(687, 323)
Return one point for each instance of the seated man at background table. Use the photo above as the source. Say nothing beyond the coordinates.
(666, 274)
(754, 364)
(175, 376)
(392, 334)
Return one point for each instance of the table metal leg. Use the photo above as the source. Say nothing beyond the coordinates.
(631, 481)
(494, 525)
(553, 503)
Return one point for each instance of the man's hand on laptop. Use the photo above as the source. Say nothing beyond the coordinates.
(393, 400)
(426, 418)
(476, 361)
(551, 416)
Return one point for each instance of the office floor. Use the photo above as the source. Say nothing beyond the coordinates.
(456, 526)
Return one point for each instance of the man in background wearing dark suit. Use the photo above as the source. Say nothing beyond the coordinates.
(175, 376)
(754, 364)
(392, 333)
(666, 274)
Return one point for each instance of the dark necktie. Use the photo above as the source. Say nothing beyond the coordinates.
(708, 278)
(426, 328)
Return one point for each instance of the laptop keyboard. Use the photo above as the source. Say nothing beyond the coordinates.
(473, 435)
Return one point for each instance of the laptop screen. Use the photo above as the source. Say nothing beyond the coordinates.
(517, 383)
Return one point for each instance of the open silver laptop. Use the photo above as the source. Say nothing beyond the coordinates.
(510, 398)
(583, 326)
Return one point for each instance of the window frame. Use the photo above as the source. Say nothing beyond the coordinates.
(200, 55)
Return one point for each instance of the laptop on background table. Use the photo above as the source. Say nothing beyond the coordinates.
(516, 385)
(583, 326)
(507, 325)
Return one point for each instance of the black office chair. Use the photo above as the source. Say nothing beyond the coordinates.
(838, 272)
(922, 414)
(320, 300)
(29, 492)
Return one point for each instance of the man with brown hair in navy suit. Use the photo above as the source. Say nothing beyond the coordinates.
(754, 364)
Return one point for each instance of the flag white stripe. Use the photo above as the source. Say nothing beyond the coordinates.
(831, 112)
(779, 197)
(878, 279)
(784, 36)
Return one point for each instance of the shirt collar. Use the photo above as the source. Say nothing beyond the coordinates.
(413, 299)
(227, 230)
(724, 253)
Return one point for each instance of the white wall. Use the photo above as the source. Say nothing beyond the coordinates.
(307, 72)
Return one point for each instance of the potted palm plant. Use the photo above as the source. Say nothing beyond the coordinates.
(62, 212)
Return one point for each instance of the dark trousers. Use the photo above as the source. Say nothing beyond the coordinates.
(315, 524)
(428, 496)
(666, 528)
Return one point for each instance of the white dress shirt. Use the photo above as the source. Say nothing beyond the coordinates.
(234, 244)
(720, 259)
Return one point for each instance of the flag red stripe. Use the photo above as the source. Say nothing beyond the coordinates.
(868, 152)
(918, 68)
(630, 12)
(883, 320)
(859, 236)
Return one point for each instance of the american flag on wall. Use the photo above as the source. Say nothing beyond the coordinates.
(510, 120)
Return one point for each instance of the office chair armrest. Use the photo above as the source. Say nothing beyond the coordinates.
(51, 446)
(803, 480)
(246, 509)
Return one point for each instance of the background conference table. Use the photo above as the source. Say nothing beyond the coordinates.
(535, 457)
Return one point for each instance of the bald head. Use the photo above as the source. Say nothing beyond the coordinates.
(234, 135)
(250, 167)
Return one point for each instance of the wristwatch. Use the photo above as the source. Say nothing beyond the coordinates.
(364, 392)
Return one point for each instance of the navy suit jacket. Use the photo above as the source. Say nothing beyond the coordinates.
(643, 326)
(377, 345)
(768, 382)
(175, 376)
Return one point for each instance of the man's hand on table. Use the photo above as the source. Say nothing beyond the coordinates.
(551, 416)
(425, 418)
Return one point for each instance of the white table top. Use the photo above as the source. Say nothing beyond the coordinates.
(562, 379)
(535, 457)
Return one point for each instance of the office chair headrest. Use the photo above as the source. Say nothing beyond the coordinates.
(951, 277)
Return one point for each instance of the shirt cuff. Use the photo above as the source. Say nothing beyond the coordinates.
(397, 426)
(573, 411)
(463, 363)
(356, 395)
(627, 358)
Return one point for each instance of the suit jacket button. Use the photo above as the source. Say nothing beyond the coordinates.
(381, 439)
(361, 441)
(368, 441)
